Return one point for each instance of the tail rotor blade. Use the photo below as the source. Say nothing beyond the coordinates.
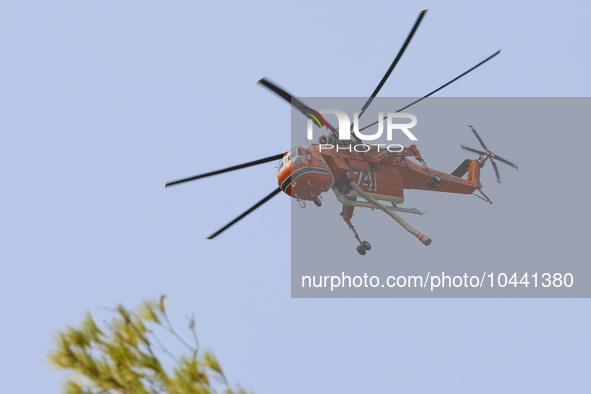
(477, 136)
(506, 161)
(488, 155)
(497, 176)
(255, 206)
(238, 167)
(473, 150)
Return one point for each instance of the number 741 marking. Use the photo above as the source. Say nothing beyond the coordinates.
(366, 178)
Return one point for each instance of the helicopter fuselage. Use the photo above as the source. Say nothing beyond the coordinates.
(306, 172)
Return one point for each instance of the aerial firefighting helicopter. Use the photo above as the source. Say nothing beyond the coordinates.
(378, 176)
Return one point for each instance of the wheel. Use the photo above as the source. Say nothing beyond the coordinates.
(436, 179)
(317, 201)
(431, 184)
(361, 250)
(323, 140)
(366, 245)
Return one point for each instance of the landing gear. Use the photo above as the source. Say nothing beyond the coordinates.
(347, 214)
(317, 201)
(363, 248)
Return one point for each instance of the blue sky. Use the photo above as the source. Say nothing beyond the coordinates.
(103, 102)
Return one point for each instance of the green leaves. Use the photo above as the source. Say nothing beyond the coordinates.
(148, 311)
(212, 363)
(124, 356)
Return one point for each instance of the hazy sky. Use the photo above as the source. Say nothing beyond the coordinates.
(103, 102)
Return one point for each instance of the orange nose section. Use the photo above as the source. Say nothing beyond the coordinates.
(304, 181)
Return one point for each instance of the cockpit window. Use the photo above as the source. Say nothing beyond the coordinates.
(280, 166)
(297, 156)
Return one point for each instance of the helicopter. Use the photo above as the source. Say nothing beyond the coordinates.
(372, 178)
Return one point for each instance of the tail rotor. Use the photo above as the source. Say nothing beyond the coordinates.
(488, 154)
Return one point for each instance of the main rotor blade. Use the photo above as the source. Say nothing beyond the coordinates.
(291, 99)
(497, 176)
(473, 150)
(477, 136)
(394, 63)
(439, 88)
(255, 206)
(238, 167)
(506, 161)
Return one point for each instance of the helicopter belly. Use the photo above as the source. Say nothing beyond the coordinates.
(376, 196)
